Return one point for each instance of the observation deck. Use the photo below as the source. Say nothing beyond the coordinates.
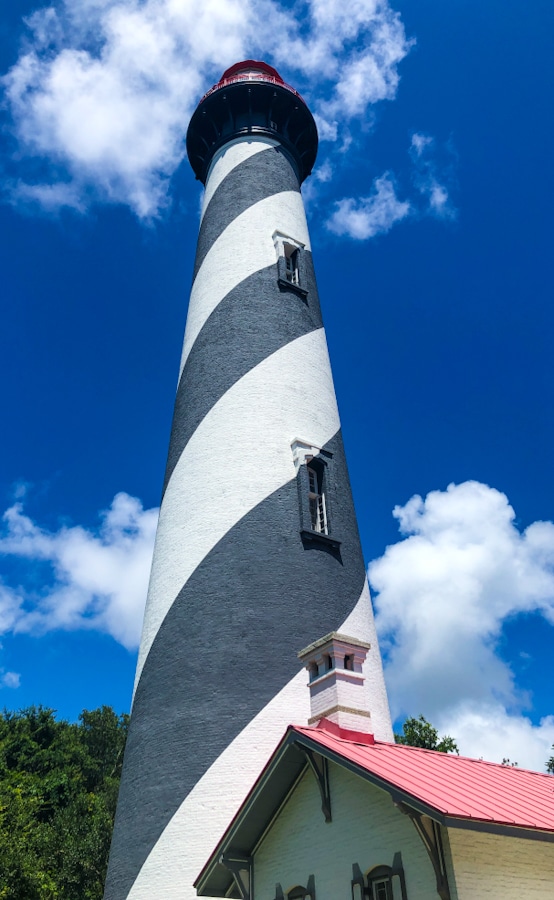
(251, 98)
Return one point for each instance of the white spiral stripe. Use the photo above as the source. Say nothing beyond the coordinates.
(228, 158)
(243, 248)
(288, 394)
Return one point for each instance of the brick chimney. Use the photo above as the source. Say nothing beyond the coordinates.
(336, 684)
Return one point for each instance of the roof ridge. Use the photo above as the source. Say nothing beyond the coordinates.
(365, 741)
(462, 758)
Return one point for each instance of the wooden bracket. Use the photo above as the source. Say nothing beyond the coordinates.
(430, 833)
(241, 868)
(320, 768)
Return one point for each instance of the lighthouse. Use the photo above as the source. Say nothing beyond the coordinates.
(257, 551)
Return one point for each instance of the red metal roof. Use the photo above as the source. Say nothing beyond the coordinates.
(456, 786)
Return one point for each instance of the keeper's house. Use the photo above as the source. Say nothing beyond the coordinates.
(338, 815)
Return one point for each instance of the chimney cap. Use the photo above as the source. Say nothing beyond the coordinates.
(333, 636)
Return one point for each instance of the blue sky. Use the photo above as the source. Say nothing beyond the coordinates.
(431, 222)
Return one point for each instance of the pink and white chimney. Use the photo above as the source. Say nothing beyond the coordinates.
(336, 681)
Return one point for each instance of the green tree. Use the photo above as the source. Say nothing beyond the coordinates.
(550, 763)
(58, 791)
(420, 733)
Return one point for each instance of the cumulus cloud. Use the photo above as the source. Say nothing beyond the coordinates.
(103, 89)
(443, 595)
(368, 216)
(93, 579)
(491, 732)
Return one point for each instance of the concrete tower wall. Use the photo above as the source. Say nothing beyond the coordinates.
(236, 589)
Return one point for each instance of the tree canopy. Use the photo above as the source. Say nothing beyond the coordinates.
(58, 792)
(420, 733)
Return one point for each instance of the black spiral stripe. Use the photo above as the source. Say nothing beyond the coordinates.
(258, 581)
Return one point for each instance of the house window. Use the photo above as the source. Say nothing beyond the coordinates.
(380, 883)
(303, 893)
(382, 889)
(297, 893)
(316, 497)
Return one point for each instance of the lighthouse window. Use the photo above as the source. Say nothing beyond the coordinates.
(316, 497)
(291, 264)
(316, 494)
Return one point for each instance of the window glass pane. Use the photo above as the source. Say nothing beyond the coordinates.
(318, 512)
(291, 261)
(381, 889)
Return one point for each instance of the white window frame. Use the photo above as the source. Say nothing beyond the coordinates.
(287, 248)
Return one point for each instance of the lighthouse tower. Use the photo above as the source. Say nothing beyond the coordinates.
(257, 551)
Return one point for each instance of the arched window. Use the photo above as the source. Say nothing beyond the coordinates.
(313, 670)
(380, 883)
(298, 892)
(381, 888)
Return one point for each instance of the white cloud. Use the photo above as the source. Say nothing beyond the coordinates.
(48, 197)
(10, 679)
(489, 731)
(420, 142)
(98, 579)
(368, 216)
(103, 89)
(364, 217)
(444, 593)
(324, 172)
(10, 608)
(428, 180)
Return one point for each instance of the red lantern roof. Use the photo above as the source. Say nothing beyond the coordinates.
(252, 66)
(250, 70)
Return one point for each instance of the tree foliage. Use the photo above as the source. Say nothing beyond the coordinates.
(58, 791)
(420, 733)
(550, 763)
